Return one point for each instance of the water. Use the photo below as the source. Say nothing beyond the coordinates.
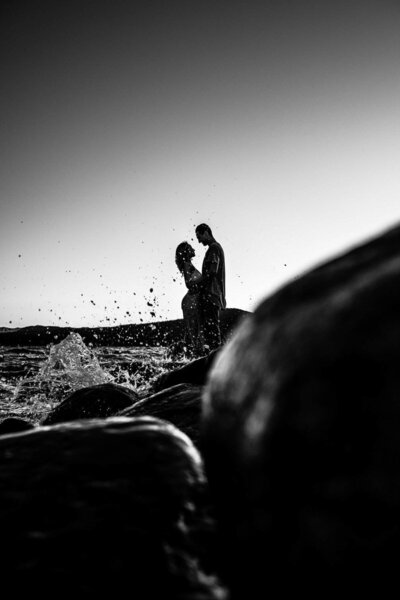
(34, 379)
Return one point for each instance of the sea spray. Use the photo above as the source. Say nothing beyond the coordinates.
(35, 379)
(71, 365)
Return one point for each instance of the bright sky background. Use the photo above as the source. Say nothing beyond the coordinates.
(126, 124)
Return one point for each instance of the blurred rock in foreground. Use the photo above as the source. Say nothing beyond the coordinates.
(102, 507)
(301, 433)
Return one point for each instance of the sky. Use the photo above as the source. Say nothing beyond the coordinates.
(126, 124)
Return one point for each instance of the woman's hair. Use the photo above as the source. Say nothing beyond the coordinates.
(182, 254)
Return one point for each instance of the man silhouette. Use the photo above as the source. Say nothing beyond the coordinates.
(212, 287)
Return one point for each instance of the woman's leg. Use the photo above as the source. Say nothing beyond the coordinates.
(191, 320)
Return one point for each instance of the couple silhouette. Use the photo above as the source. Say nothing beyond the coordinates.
(205, 298)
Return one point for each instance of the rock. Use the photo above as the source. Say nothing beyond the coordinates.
(93, 402)
(194, 372)
(301, 433)
(100, 507)
(179, 404)
(13, 425)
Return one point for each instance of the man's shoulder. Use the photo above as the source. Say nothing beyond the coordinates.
(215, 246)
(214, 254)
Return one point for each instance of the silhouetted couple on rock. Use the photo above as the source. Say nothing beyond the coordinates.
(205, 298)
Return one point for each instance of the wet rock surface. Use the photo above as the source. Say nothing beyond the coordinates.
(194, 372)
(179, 404)
(97, 401)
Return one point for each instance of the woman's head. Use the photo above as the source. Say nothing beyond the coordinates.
(183, 253)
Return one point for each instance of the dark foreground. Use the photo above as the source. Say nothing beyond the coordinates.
(268, 469)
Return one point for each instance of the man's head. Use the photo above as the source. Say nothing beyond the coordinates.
(204, 234)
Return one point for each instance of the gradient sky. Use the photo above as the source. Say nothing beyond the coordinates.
(126, 124)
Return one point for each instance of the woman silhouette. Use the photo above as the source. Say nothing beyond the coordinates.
(190, 302)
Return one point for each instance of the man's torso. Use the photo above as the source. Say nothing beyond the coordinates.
(214, 261)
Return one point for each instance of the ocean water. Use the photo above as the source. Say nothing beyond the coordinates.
(34, 379)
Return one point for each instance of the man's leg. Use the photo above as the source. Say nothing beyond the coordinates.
(211, 325)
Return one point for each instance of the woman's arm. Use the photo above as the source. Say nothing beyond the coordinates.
(187, 270)
(192, 277)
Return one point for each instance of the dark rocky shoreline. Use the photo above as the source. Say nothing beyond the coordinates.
(270, 468)
(160, 333)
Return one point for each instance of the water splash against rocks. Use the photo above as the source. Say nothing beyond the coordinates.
(71, 365)
(34, 380)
